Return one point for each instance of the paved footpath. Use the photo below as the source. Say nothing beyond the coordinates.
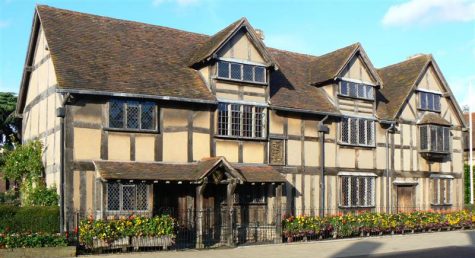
(328, 248)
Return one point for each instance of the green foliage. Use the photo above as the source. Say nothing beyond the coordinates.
(348, 225)
(16, 240)
(36, 219)
(9, 125)
(10, 197)
(466, 175)
(41, 196)
(110, 230)
(24, 162)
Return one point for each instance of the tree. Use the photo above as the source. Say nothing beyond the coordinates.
(9, 124)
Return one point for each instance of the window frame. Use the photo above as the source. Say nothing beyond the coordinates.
(125, 105)
(357, 90)
(368, 203)
(422, 93)
(429, 136)
(120, 210)
(231, 124)
(229, 77)
(436, 182)
(357, 140)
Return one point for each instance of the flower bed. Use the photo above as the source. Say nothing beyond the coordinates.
(23, 240)
(130, 231)
(368, 223)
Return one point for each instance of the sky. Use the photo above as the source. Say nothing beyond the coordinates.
(389, 30)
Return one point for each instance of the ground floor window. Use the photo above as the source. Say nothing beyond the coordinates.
(441, 191)
(127, 196)
(357, 191)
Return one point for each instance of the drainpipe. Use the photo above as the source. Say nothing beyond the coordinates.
(61, 113)
(391, 129)
(322, 129)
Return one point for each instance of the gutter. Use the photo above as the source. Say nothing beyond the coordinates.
(298, 110)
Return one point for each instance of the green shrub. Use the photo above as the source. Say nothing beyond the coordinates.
(35, 219)
(10, 197)
(42, 196)
(15, 240)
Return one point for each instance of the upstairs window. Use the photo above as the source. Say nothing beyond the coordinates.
(134, 115)
(357, 131)
(241, 72)
(429, 101)
(434, 138)
(238, 120)
(356, 90)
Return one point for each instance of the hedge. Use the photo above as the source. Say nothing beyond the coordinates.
(17, 240)
(33, 219)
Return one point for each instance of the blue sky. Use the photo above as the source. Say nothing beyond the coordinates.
(390, 31)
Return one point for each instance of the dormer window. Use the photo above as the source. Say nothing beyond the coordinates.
(356, 90)
(241, 72)
(429, 101)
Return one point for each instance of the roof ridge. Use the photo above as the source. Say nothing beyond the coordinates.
(405, 61)
(339, 49)
(120, 20)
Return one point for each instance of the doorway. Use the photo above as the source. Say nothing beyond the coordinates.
(405, 198)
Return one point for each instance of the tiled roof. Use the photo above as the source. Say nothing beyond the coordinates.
(116, 170)
(399, 80)
(104, 54)
(433, 118)
(327, 67)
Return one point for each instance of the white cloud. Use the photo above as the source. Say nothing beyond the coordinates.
(182, 3)
(429, 11)
(460, 88)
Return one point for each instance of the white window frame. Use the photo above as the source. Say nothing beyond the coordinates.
(435, 183)
(121, 196)
(438, 137)
(369, 142)
(253, 125)
(254, 66)
(369, 203)
(125, 104)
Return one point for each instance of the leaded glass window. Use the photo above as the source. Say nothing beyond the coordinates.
(357, 131)
(434, 138)
(357, 191)
(429, 101)
(441, 191)
(132, 115)
(127, 197)
(239, 120)
(356, 90)
(241, 72)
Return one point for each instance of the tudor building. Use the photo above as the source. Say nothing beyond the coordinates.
(140, 118)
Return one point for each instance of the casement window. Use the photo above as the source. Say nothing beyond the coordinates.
(429, 101)
(356, 90)
(127, 197)
(357, 131)
(434, 138)
(357, 191)
(441, 191)
(241, 72)
(132, 115)
(239, 120)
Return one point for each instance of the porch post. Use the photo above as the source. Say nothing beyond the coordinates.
(278, 213)
(199, 215)
(230, 203)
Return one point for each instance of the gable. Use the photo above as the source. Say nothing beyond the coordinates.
(241, 47)
(356, 69)
(430, 81)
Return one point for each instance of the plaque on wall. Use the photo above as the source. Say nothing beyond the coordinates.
(276, 152)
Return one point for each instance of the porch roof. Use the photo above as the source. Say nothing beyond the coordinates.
(197, 171)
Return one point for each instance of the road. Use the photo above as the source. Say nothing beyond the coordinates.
(443, 252)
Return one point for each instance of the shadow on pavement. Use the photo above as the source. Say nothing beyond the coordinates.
(358, 248)
(471, 234)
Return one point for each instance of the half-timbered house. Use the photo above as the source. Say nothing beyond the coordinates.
(142, 118)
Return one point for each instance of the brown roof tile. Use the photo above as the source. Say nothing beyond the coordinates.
(104, 54)
(399, 80)
(433, 118)
(327, 67)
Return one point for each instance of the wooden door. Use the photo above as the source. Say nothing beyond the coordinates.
(405, 198)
